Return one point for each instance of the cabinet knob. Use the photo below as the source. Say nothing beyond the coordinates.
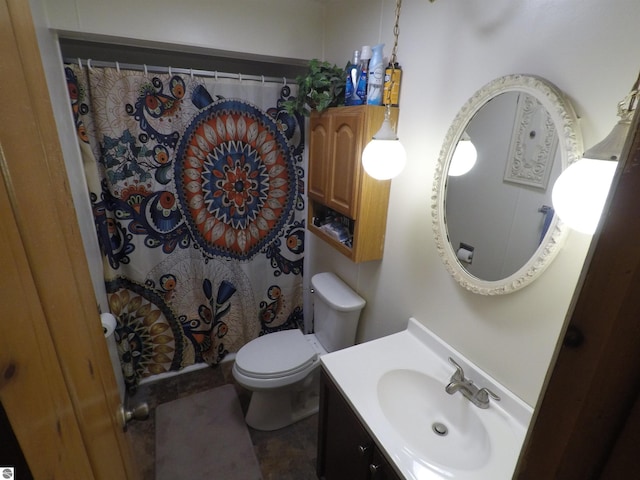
(373, 468)
(574, 337)
(364, 449)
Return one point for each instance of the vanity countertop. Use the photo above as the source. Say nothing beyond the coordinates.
(490, 446)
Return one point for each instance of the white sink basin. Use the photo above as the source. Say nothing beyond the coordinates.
(396, 384)
(440, 428)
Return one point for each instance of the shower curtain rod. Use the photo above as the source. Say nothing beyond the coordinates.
(184, 71)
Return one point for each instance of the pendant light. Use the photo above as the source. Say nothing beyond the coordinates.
(581, 190)
(384, 157)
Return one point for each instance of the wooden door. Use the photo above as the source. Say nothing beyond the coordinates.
(56, 383)
(588, 422)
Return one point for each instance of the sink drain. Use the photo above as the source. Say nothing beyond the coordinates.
(440, 429)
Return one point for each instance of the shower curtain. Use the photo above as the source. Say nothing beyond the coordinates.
(197, 190)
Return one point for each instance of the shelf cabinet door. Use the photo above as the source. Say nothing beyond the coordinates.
(344, 162)
(319, 148)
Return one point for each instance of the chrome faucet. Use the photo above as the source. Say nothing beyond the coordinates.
(478, 396)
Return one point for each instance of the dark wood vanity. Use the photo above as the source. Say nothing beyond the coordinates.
(346, 450)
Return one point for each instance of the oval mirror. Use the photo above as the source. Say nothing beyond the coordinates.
(492, 216)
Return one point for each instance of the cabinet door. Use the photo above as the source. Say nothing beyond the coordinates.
(319, 151)
(344, 161)
(345, 448)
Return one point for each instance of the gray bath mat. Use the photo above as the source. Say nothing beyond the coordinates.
(204, 437)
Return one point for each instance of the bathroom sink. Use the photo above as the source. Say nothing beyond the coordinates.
(396, 384)
(442, 429)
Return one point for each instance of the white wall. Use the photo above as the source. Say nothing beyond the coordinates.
(447, 50)
(245, 26)
(193, 25)
(58, 92)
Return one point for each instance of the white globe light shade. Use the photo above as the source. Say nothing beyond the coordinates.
(464, 158)
(384, 159)
(581, 191)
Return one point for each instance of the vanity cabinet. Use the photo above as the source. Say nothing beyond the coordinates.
(339, 189)
(346, 451)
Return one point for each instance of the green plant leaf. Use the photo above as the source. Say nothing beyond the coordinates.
(320, 88)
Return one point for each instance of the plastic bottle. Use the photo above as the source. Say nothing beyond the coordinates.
(363, 73)
(392, 79)
(350, 97)
(376, 76)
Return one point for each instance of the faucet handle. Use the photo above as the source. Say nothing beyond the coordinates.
(459, 373)
(482, 397)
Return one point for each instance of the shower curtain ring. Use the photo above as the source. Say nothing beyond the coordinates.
(80, 63)
(145, 70)
(89, 64)
(117, 67)
(169, 70)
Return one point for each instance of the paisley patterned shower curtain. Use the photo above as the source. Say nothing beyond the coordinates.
(197, 190)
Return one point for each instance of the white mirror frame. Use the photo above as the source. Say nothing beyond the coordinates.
(570, 144)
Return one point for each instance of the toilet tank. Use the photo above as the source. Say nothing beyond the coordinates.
(336, 311)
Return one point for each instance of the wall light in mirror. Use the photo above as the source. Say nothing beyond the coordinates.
(464, 157)
(384, 157)
(581, 190)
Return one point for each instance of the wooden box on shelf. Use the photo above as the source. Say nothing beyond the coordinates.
(347, 207)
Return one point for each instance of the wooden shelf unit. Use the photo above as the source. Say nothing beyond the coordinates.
(337, 181)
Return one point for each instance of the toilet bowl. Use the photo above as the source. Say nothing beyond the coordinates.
(281, 369)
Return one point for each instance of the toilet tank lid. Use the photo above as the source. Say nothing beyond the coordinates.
(336, 293)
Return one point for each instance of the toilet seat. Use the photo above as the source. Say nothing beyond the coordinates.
(259, 359)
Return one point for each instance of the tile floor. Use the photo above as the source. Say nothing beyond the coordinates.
(285, 454)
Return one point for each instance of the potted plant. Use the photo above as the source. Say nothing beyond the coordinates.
(320, 88)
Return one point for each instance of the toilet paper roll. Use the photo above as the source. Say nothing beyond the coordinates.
(465, 255)
(108, 324)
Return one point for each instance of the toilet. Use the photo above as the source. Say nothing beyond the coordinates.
(281, 369)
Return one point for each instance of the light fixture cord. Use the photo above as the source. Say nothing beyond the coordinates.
(396, 34)
(393, 60)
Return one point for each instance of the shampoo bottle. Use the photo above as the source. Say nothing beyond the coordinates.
(376, 76)
(363, 74)
(350, 96)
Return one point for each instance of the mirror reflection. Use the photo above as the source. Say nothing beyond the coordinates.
(515, 141)
(492, 215)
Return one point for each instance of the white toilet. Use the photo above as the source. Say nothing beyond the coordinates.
(281, 369)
